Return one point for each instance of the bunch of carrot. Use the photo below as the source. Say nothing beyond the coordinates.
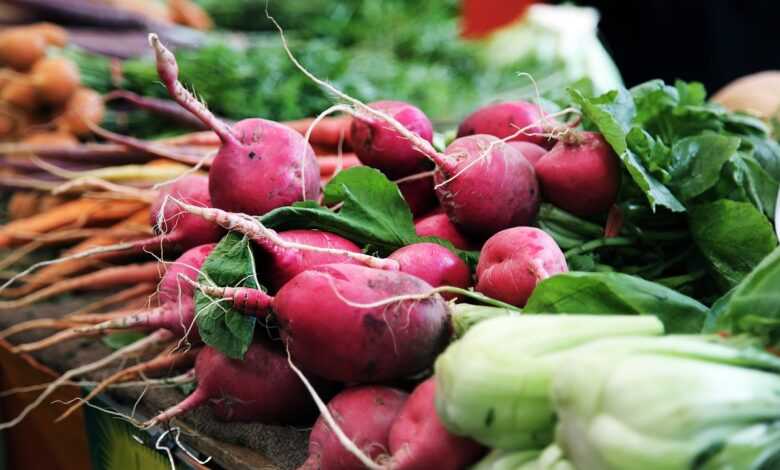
(42, 99)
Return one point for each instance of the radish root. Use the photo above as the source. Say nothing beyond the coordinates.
(156, 338)
(328, 417)
(258, 232)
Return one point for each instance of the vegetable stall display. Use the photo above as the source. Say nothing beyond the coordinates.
(595, 286)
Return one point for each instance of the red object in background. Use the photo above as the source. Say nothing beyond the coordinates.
(481, 17)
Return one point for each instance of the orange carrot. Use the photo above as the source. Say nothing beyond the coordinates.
(20, 92)
(83, 108)
(20, 48)
(328, 132)
(58, 138)
(83, 211)
(329, 164)
(23, 204)
(98, 280)
(57, 272)
(55, 79)
(187, 13)
(53, 35)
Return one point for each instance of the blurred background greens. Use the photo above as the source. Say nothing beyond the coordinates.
(405, 50)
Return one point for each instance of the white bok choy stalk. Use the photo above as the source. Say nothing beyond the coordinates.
(668, 403)
(493, 384)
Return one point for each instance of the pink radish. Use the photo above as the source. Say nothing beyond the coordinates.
(365, 415)
(483, 185)
(338, 325)
(483, 197)
(418, 194)
(380, 146)
(176, 312)
(505, 119)
(282, 264)
(419, 441)
(581, 174)
(439, 225)
(180, 229)
(514, 261)
(261, 164)
(532, 152)
(434, 264)
(262, 387)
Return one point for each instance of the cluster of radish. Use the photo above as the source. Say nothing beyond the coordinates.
(345, 317)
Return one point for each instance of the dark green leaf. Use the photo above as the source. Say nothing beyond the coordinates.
(657, 194)
(616, 293)
(733, 236)
(655, 155)
(612, 114)
(373, 214)
(219, 324)
(697, 162)
(754, 305)
(767, 152)
(373, 211)
(121, 339)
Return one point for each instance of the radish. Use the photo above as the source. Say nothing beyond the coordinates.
(485, 196)
(418, 193)
(179, 229)
(282, 264)
(176, 312)
(419, 441)
(365, 415)
(262, 387)
(483, 185)
(439, 225)
(504, 119)
(434, 264)
(514, 261)
(532, 152)
(581, 174)
(337, 324)
(380, 146)
(261, 165)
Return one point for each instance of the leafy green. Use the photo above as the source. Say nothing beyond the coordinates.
(219, 324)
(754, 305)
(612, 114)
(616, 293)
(733, 236)
(697, 162)
(373, 213)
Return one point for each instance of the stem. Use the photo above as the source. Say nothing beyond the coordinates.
(596, 244)
(194, 400)
(554, 214)
(168, 70)
(480, 297)
(677, 281)
(262, 235)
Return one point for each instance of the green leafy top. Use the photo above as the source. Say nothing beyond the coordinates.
(698, 189)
